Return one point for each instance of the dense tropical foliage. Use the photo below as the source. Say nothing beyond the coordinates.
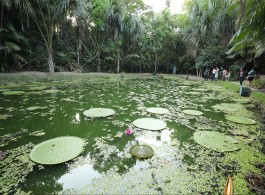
(127, 36)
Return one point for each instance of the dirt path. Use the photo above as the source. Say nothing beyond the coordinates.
(196, 78)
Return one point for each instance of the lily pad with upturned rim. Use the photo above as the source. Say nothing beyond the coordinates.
(193, 112)
(13, 92)
(215, 141)
(142, 151)
(98, 112)
(228, 107)
(33, 108)
(157, 110)
(150, 124)
(51, 91)
(57, 150)
(241, 120)
(37, 88)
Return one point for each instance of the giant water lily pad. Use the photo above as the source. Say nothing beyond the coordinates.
(4, 116)
(99, 112)
(241, 120)
(57, 150)
(38, 88)
(193, 112)
(150, 124)
(13, 92)
(52, 91)
(141, 151)
(33, 108)
(157, 110)
(215, 141)
(228, 107)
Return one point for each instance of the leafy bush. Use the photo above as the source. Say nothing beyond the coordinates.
(211, 57)
(258, 84)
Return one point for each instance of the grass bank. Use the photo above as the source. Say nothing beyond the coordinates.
(257, 97)
(29, 77)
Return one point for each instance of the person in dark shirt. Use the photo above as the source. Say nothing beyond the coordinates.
(206, 74)
(251, 76)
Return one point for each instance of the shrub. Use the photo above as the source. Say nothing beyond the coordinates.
(258, 84)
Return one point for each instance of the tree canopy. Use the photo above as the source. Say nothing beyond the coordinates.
(128, 36)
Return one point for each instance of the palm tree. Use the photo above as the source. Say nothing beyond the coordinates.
(48, 13)
(206, 25)
(115, 19)
(251, 30)
(124, 28)
(12, 40)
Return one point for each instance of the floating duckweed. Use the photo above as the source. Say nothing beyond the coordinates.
(2, 90)
(8, 138)
(37, 133)
(193, 112)
(12, 174)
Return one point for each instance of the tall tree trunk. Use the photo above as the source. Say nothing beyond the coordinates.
(155, 64)
(2, 14)
(118, 65)
(98, 66)
(79, 45)
(50, 61)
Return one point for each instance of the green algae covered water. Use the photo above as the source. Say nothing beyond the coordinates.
(35, 112)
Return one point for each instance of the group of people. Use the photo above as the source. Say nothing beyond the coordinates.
(215, 74)
(226, 75)
(250, 77)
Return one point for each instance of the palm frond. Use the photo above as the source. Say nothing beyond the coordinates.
(130, 56)
(9, 46)
(7, 4)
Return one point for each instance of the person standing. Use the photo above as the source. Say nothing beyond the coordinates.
(206, 74)
(216, 73)
(241, 76)
(251, 76)
(213, 74)
(224, 74)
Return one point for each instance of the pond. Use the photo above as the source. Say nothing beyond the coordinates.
(36, 112)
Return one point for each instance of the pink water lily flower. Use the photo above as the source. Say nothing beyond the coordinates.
(128, 131)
